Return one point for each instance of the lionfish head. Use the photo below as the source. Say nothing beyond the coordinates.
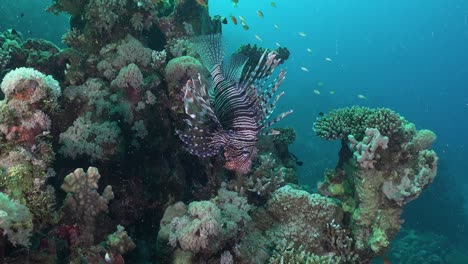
(239, 153)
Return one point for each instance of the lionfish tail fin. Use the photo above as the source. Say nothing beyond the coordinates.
(210, 48)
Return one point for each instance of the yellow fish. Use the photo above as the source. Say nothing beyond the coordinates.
(332, 92)
(304, 69)
(233, 19)
(309, 50)
(302, 34)
(258, 38)
(260, 14)
(276, 26)
(320, 83)
(328, 59)
(273, 4)
(360, 96)
(317, 92)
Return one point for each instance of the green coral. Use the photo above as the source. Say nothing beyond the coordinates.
(378, 240)
(342, 122)
(18, 180)
(15, 221)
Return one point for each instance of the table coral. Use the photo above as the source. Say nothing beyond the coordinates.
(340, 123)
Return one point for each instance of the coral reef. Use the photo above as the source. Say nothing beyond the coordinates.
(112, 101)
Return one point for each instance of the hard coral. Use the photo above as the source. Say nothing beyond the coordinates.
(83, 203)
(340, 123)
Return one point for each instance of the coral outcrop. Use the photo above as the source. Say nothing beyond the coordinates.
(378, 175)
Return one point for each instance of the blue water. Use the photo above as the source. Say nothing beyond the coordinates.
(410, 56)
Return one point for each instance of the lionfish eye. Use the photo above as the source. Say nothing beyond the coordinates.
(245, 152)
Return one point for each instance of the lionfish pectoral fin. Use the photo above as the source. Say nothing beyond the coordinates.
(199, 145)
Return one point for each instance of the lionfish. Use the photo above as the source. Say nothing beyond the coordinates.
(229, 115)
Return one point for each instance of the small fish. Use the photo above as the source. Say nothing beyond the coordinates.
(320, 84)
(260, 14)
(328, 59)
(273, 4)
(304, 69)
(235, 2)
(321, 114)
(233, 19)
(309, 50)
(360, 96)
(22, 15)
(108, 257)
(277, 44)
(258, 38)
(202, 3)
(317, 92)
(332, 92)
(276, 26)
(242, 18)
(302, 34)
(244, 25)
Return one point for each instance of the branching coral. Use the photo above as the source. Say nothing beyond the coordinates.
(83, 203)
(342, 122)
(365, 150)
